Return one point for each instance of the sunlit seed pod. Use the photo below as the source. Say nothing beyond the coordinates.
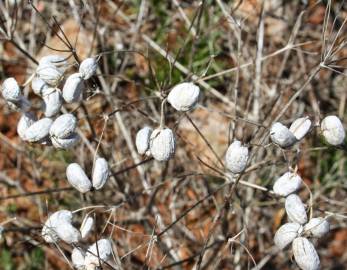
(77, 258)
(38, 130)
(26, 120)
(236, 157)
(281, 135)
(11, 90)
(286, 234)
(305, 254)
(100, 173)
(142, 140)
(333, 130)
(103, 248)
(56, 60)
(49, 74)
(184, 96)
(63, 126)
(300, 127)
(317, 227)
(68, 233)
(67, 142)
(88, 68)
(288, 183)
(77, 178)
(295, 209)
(52, 103)
(86, 226)
(73, 88)
(162, 144)
(38, 86)
(58, 218)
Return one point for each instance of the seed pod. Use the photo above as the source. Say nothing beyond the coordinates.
(317, 227)
(11, 90)
(305, 254)
(142, 140)
(300, 127)
(236, 157)
(67, 142)
(333, 130)
(73, 88)
(64, 126)
(56, 60)
(68, 233)
(88, 68)
(22, 105)
(86, 226)
(52, 103)
(55, 220)
(295, 209)
(286, 234)
(77, 178)
(39, 86)
(26, 120)
(281, 135)
(38, 130)
(162, 144)
(49, 74)
(100, 173)
(184, 96)
(77, 258)
(287, 184)
(103, 248)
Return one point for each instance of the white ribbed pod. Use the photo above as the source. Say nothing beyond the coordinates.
(286, 234)
(56, 60)
(317, 227)
(300, 127)
(64, 126)
(39, 86)
(100, 173)
(287, 184)
(184, 96)
(52, 103)
(73, 88)
(142, 140)
(49, 74)
(77, 258)
(305, 254)
(88, 68)
(162, 144)
(11, 90)
(26, 120)
(38, 130)
(68, 233)
(58, 218)
(86, 226)
(67, 142)
(103, 248)
(281, 135)
(77, 178)
(295, 209)
(236, 157)
(333, 130)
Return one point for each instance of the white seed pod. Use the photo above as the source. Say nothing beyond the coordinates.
(52, 103)
(38, 130)
(88, 68)
(26, 120)
(73, 88)
(67, 142)
(333, 130)
(68, 233)
(78, 178)
(103, 248)
(55, 220)
(38, 86)
(300, 127)
(77, 258)
(286, 234)
(142, 140)
(162, 144)
(86, 226)
(288, 183)
(295, 209)
(184, 96)
(100, 173)
(63, 126)
(236, 157)
(49, 74)
(56, 60)
(305, 254)
(317, 227)
(281, 135)
(11, 90)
